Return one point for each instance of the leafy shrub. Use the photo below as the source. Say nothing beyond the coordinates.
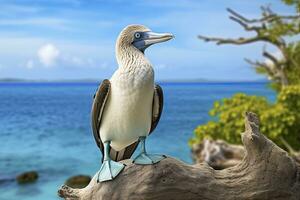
(280, 121)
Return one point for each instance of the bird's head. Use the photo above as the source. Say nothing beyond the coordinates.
(140, 37)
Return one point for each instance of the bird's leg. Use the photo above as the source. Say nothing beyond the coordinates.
(109, 168)
(146, 159)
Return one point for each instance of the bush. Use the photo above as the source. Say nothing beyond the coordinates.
(279, 121)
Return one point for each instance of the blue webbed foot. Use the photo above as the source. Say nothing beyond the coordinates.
(109, 170)
(148, 159)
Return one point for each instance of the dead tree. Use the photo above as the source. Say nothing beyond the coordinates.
(262, 27)
(266, 172)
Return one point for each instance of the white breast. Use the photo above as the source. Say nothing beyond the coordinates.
(128, 110)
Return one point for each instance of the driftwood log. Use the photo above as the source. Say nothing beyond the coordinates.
(217, 153)
(266, 172)
(220, 155)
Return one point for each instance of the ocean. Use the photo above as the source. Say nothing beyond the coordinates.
(46, 127)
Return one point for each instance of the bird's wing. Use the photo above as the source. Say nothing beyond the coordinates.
(100, 98)
(157, 107)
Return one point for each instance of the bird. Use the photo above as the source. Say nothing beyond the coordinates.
(127, 107)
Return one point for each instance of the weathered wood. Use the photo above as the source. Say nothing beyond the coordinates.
(217, 153)
(220, 155)
(266, 172)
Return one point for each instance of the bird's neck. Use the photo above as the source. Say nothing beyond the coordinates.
(129, 57)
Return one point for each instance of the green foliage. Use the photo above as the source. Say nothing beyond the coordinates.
(229, 117)
(292, 69)
(279, 27)
(276, 31)
(279, 121)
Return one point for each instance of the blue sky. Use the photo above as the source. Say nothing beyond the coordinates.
(75, 39)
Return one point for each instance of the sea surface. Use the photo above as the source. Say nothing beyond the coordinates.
(46, 127)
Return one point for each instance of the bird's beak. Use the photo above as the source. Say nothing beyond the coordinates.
(149, 38)
(153, 38)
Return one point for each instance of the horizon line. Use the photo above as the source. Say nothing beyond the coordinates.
(92, 80)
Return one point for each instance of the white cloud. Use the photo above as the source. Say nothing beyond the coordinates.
(48, 55)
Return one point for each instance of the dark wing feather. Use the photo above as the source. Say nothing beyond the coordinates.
(157, 107)
(100, 98)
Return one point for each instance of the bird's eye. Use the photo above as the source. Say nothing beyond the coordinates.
(137, 35)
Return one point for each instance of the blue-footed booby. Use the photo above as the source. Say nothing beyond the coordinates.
(128, 106)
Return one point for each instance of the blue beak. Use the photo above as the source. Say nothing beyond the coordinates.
(149, 38)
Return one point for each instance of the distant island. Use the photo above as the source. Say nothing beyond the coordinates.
(20, 80)
(90, 80)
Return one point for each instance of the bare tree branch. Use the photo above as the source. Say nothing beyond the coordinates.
(261, 28)
(276, 72)
(273, 73)
(267, 18)
(238, 41)
(259, 64)
(271, 57)
(237, 15)
(245, 25)
(266, 10)
(278, 67)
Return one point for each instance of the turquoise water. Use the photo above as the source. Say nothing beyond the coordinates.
(46, 127)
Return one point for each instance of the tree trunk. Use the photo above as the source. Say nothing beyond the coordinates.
(266, 172)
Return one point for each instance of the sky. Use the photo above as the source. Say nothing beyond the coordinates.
(75, 39)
